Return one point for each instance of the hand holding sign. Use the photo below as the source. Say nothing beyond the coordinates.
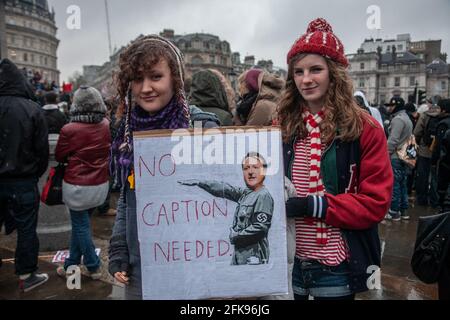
(122, 277)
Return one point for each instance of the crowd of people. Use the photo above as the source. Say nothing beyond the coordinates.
(340, 155)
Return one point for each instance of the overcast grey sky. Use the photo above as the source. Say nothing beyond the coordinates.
(264, 28)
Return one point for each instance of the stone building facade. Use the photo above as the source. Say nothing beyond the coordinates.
(398, 68)
(200, 50)
(30, 34)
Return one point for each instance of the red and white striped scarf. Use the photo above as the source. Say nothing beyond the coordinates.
(316, 187)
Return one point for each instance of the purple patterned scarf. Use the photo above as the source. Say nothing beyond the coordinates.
(171, 117)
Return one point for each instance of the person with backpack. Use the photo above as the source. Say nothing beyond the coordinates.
(425, 130)
(441, 155)
(400, 131)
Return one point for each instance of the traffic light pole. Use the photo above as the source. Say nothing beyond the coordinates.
(416, 92)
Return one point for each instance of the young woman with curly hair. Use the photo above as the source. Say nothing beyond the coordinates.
(336, 156)
(151, 93)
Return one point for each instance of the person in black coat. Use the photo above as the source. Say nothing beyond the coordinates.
(54, 117)
(24, 152)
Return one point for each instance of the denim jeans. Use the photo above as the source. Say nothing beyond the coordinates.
(400, 194)
(81, 243)
(20, 199)
(426, 183)
(320, 281)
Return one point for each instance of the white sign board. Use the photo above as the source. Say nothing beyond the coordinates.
(211, 213)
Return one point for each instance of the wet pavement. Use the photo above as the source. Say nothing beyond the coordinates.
(397, 280)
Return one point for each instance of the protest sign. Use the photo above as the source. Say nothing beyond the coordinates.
(211, 213)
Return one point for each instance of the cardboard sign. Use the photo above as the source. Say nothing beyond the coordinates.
(62, 255)
(211, 213)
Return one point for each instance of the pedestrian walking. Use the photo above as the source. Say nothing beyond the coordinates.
(426, 179)
(84, 145)
(24, 153)
(400, 131)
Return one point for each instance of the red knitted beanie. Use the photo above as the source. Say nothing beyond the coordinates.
(319, 39)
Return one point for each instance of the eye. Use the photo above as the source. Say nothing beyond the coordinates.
(316, 70)
(298, 72)
(156, 77)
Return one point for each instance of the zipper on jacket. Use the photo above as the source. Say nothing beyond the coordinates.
(327, 148)
(292, 159)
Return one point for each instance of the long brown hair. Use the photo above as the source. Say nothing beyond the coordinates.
(342, 113)
(137, 59)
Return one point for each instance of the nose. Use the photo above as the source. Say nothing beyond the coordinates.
(306, 77)
(147, 85)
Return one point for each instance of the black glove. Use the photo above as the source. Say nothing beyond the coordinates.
(310, 206)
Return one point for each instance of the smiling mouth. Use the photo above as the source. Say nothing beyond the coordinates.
(149, 98)
(309, 89)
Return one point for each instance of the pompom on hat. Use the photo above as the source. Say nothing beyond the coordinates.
(319, 39)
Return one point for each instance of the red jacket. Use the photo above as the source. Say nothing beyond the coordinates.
(85, 147)
(359, 181)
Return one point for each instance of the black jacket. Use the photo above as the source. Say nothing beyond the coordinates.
(24, 148)
(55, 119)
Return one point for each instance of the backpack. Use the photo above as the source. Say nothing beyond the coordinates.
(432, 247)
(431, 130)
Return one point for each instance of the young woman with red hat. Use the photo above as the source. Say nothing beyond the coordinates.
(336, 155)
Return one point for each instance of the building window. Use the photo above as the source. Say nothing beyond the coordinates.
(46, 61)
(400, 47)
(397, 82)
(197, 60)
(412, 81)
(32, 58)
(362, 83)
(41, 60)
(25, 57)
(197, 45)
(212, 59)
(382, 98)
(443, 85)
(13, 54)
(362, 66)
(383, 82)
